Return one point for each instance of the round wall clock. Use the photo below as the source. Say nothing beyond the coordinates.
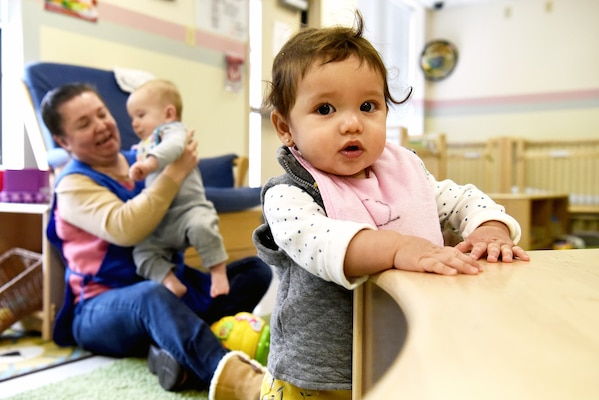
(438, 59)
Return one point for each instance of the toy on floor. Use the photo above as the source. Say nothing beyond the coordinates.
(246, 332)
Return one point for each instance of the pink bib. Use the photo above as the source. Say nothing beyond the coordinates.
(396, 196)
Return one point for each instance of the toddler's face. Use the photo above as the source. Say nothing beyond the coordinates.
(338, 121)
(146, 113)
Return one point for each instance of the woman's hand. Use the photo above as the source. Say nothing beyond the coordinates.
(182, 166)
(492, 239)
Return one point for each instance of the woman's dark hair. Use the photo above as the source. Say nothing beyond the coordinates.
(55, 98)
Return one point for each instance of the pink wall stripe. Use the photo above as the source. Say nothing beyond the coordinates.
(135, 20)
(525, 99)
(132, 19)
(215, 42)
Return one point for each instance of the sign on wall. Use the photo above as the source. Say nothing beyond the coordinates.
(224, 17)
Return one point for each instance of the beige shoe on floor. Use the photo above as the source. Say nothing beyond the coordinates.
(237, 377)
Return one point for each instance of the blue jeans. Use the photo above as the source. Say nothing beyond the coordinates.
(123, 322)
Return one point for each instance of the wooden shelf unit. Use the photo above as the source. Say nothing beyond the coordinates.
(24, 226)
(542, 217)
(236, 229)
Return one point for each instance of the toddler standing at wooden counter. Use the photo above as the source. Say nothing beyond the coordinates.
(350, 205)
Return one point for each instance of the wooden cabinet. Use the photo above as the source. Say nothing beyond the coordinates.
(543, 217)
(24, 226)
(236, 229)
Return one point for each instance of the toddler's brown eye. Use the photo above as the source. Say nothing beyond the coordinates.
(367, 106)
(325, 109)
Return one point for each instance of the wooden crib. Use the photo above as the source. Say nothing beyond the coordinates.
(503, 165)
(535, 167)
(568, 166)
(486, 164)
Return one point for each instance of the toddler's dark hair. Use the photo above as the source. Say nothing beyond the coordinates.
(323, 45)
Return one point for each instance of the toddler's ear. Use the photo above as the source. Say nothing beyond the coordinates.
(282, 128)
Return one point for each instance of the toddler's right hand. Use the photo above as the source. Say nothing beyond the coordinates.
(420, 255)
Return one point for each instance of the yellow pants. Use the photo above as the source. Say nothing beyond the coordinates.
(274, 389)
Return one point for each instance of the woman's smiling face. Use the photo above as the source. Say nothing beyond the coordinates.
(90, 131)
(338, 120)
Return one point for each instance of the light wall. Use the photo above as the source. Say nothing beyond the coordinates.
(337, 12)
(525, 68)
(159, 37)
(278, 24)
(522, 70)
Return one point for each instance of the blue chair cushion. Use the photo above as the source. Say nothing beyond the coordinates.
(218, 171)
(233, 199)
(219, 181)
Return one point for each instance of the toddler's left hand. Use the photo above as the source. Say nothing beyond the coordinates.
(493, 239)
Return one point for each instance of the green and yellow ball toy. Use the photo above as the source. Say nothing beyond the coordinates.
(245, 332)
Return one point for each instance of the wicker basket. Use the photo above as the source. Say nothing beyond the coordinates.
(20, 285)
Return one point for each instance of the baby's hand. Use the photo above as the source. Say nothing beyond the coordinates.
(141, 169)
(420, 255)
(493, 239)
(186, 163)
(136, 172)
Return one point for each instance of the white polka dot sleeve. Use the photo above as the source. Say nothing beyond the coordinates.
(314, 241)
(466, 207)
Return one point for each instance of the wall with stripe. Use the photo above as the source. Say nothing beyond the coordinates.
(159, 37)
(525, 68)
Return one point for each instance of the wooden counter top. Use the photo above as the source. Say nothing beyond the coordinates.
(526, 330)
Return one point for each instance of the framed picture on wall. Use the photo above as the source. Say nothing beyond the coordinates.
(227, 18)
(438, 59)
(84, 9)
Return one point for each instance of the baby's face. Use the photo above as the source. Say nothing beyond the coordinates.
(338, 121)
(146, 113)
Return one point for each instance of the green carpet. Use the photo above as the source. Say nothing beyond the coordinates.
(125, 379)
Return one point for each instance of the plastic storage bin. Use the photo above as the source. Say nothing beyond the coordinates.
(25, 186)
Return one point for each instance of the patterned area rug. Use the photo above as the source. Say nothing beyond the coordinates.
(24, 352)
